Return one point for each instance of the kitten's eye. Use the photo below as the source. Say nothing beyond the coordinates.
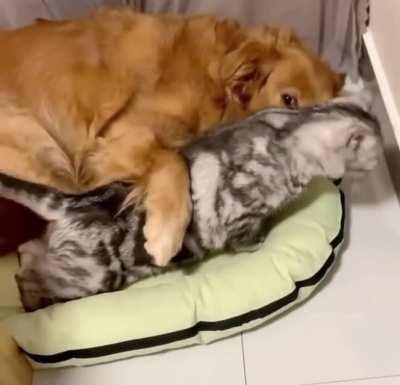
(290, 101)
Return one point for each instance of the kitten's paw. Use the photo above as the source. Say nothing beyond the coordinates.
(26, 261)
(35, 247)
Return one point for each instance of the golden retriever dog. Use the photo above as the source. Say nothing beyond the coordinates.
(115, 95)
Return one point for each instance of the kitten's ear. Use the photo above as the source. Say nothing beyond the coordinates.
(366, 96)
(364, 149)
(363, 98)
(277, 118)
(355, 139)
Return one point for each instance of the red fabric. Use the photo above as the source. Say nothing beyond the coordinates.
(17, 225)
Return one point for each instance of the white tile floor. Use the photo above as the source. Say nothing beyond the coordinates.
(220, 363)
(349, 333)
(350, 330)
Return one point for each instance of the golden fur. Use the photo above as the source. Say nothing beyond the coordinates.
(113, 96)
(14, 368)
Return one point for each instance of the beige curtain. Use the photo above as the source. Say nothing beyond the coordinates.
(17, 13)
(333, 28)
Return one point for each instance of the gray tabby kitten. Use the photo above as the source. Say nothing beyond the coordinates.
(240, 175)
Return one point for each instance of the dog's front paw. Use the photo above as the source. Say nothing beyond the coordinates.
(163, 239)
(164, 233)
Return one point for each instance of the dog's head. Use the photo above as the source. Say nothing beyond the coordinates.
(270, 67)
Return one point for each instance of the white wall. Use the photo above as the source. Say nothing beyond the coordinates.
(385, 28)
(383, 43)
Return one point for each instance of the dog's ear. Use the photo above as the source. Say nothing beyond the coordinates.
(246, 55)
(285, 37)
(241, 68)
(275, 37)
(228, 35)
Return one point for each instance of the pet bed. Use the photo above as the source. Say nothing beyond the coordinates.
(222, 296)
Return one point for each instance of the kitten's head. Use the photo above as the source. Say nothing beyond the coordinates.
(342, 134)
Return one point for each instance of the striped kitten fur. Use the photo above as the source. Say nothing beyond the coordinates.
(240, 175)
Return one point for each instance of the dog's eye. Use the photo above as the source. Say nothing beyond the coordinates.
(289, 101)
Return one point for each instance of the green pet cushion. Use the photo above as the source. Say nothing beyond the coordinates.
(219, 297)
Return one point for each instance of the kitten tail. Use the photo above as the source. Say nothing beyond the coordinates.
(42, 200)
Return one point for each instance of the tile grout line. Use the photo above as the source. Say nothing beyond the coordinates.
(243, 359)
(360, 379)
